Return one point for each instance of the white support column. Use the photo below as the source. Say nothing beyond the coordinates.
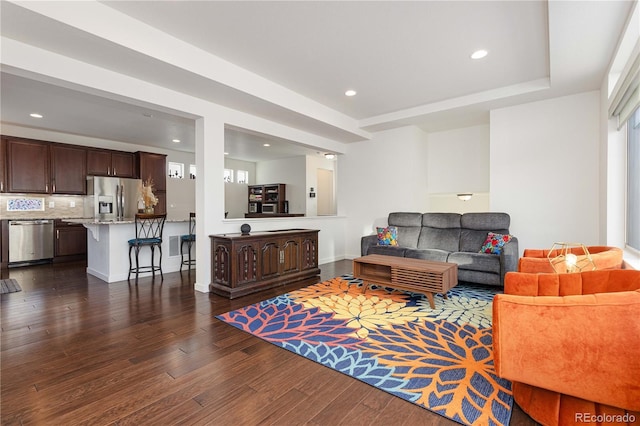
(209, 192)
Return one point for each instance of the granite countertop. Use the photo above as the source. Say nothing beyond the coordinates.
(126, 220)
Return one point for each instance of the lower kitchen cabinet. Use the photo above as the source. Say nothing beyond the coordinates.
(4, 244)
(70, 241)
(244, 264)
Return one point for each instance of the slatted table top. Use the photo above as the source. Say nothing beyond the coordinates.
(406, 262)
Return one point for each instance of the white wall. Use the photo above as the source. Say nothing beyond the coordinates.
(544, 168)
(290, 171)
(386, 174)
(450, 203)
(458, 162)
(181, 193)
(236, 194)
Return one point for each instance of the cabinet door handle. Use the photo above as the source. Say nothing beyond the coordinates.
(46, 187)
(57, 234)
(1, 186)
(281, 256)
(114, 172)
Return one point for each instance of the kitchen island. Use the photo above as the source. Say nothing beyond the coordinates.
(108, 250)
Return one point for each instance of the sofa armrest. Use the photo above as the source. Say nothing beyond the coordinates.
(586, 346)
(366, 242)
(509, 258)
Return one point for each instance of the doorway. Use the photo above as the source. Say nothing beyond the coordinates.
(326, 197)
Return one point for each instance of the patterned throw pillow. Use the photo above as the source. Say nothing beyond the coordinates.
(494, 243)
(387, 236)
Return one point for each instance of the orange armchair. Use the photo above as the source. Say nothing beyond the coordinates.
(535, 260)
(574, 354)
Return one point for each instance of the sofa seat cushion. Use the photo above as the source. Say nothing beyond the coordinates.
(476, 261)
(387, 250)
(427, 254)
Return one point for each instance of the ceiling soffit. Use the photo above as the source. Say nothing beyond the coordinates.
(405, 58)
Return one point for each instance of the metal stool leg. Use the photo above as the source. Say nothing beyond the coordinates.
(181, 254)
(130, 265)
(137, 249)
(160, 261)
(153, 269)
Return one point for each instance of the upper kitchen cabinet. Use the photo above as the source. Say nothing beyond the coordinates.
(68, 169)
(27, 166)
(153, 166)
(103, 162)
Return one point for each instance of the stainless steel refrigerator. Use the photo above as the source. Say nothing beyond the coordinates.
(111, 198)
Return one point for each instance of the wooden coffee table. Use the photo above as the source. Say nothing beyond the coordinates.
(418, 275)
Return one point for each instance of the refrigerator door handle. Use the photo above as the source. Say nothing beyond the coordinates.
(121, 201)
(118, 201)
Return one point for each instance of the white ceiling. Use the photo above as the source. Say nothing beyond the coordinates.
(409, 62)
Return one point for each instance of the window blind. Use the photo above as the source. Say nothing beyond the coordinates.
(626, 97)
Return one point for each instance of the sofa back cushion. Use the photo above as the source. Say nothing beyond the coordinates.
(476, 226)
(408, 226)
(440, 231)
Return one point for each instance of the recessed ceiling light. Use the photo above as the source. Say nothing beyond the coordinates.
(175, 140)
(479, 54)
(36, 115)
(266, 144)
(226, 153)
(329, 156)
(350, 92)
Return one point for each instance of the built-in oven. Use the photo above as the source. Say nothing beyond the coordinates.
(270, 208)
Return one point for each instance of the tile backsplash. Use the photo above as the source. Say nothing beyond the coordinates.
(53, 207)
(25, 204)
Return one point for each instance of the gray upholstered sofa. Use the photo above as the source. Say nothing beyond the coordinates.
(451, 237)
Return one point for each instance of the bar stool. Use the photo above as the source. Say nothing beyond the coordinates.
(189, 240)
(148, 233)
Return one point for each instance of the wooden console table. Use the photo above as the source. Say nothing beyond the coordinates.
(418, 275)
(244, 264)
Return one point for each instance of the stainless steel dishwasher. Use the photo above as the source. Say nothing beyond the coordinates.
(30, 240)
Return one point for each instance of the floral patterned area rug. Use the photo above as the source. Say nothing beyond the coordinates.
(440, 359)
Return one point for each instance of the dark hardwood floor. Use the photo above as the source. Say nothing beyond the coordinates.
(76, 350)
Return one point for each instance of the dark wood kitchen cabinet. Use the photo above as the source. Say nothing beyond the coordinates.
(4, 244)
(70, 241)
(161, 207)
(27, 166)
(104, 162)
(244, 264)
(68, 169)
(154, 166)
